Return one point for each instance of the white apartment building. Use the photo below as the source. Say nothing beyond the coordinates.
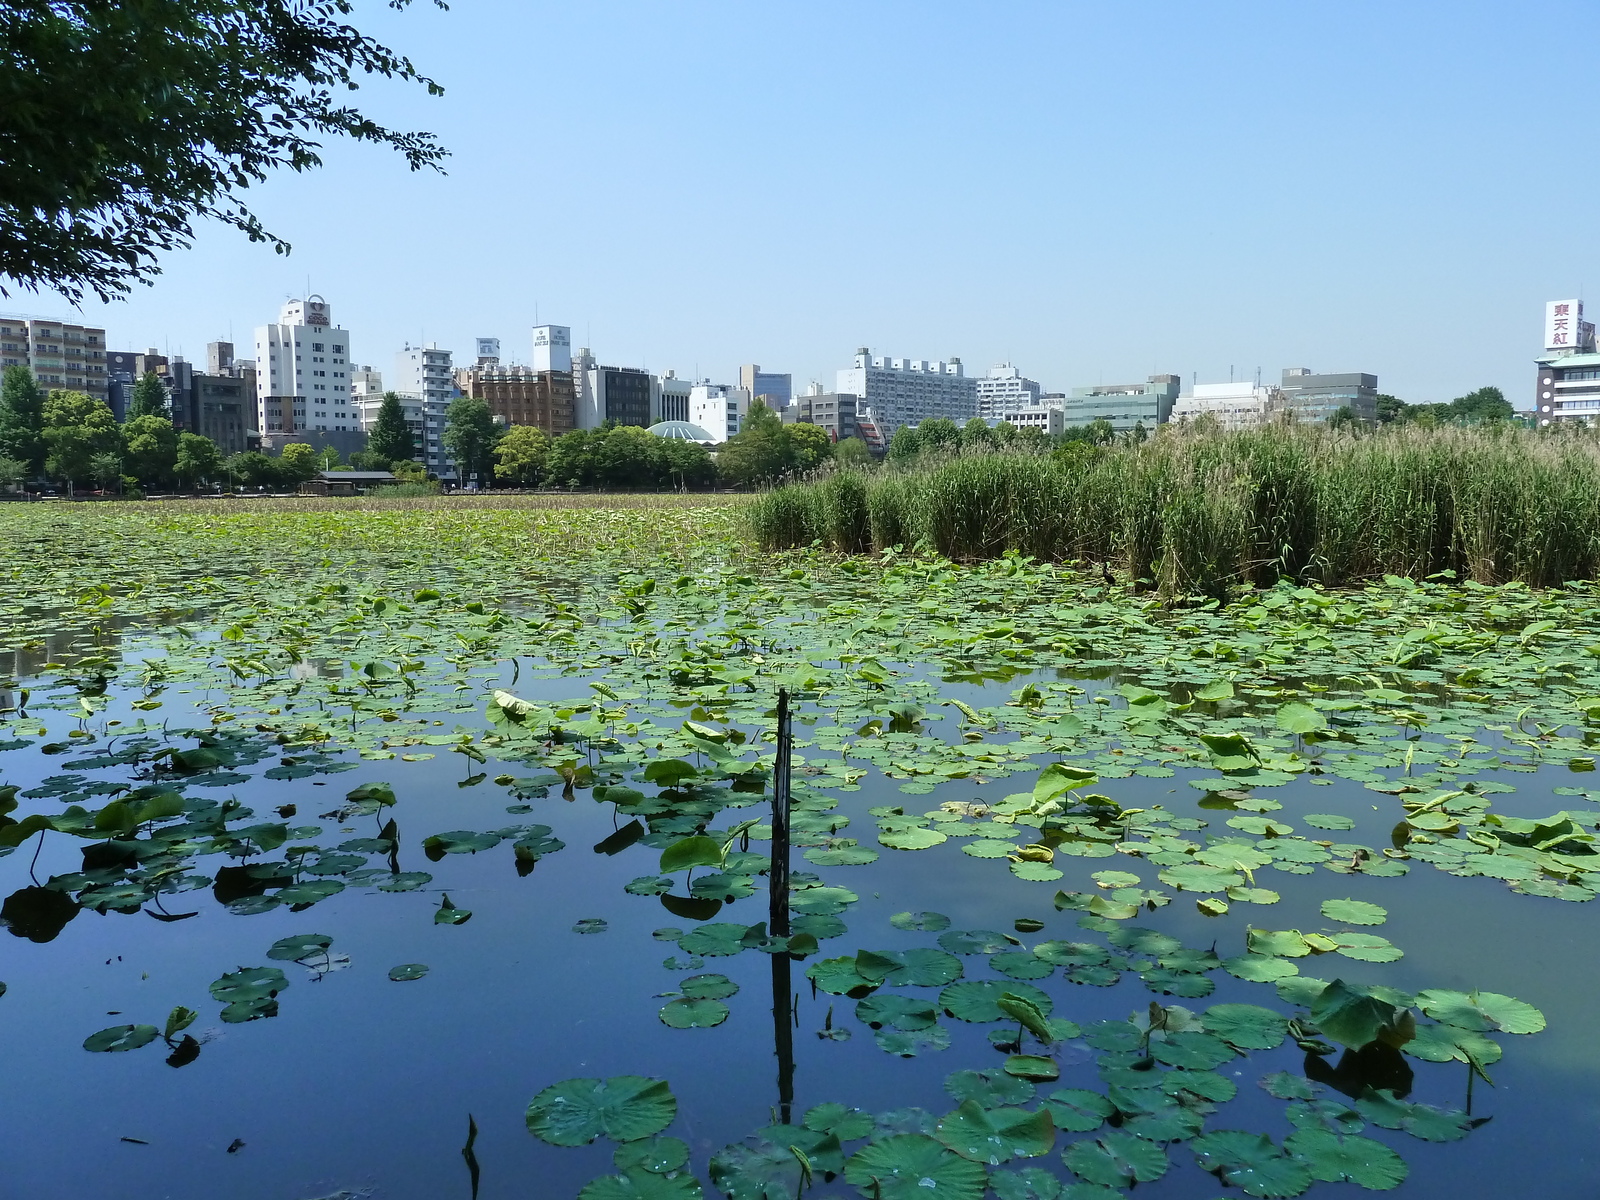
(718, 408)
(364, 381)
(424, 417)
(303, 371)
(907, 391)
(425, 371)
(72, 357)
(1004, 390)
(1233, 405)
(1049, 421)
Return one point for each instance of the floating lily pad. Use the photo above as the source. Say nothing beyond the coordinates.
(1078, 1110)
(994, 1136)
(1354, 912)
(910, 1043)
(1246, 1026)
(1116, 1159)
(623, 1108)
(1481, 1011)
(989, 1089)
(120, 1037)
(841, 1120)
(930, 922)
(1358, 1160)
(693, 1013)
(976, 1000)
(406, 972)
(301, 945)
(897, 1012)
(974, 941)
(913, 1166)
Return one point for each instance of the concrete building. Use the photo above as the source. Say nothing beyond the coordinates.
(1004, 390)
(425, 371)
(364, 382)
(1049, 421)
(620, 394)
(1124, 405)
(778, 389)
(1232, 405)
(424, 418)
(830, 410)
(906, 391)
(519, 395)
(1567, 386)
(669, 399)
(60, 355)
(303, 372)
(552, 348)
(223, 408)
(1313, 399)
(718, 408)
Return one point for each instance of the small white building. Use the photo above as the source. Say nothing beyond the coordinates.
(364, 381)
(1049, 421)
(1233, 405)
(718, 408)
(303, 371)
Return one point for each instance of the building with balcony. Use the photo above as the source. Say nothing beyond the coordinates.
(907, 391)
(519, 395)
(1567, 385)
(1005, 390)
(58, 354)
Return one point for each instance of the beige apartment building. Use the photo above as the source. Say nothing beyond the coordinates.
(59, 355)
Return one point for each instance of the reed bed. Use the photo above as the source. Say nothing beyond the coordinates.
(1196, 512)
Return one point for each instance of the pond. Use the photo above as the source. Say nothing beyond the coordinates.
(400, 851)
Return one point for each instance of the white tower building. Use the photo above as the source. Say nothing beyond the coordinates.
(303, 371)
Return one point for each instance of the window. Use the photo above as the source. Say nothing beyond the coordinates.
(316, 345)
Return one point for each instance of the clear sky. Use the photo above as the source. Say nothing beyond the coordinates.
(1092, 191)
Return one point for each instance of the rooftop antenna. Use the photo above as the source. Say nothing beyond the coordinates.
(1230, 372)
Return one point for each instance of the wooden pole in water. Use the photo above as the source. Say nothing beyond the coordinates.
(778, 916)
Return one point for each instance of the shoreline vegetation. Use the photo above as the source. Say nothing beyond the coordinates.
(1196, 512)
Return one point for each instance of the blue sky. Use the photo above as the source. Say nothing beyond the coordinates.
(1093, 191)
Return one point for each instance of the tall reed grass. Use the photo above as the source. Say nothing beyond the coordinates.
(1196, 512)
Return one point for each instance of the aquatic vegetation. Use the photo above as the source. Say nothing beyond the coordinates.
(591, 661)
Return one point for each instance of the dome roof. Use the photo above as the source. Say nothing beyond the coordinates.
(681, 431)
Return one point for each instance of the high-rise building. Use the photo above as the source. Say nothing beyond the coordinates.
(1567, 387)
(1003, 390)
(424, 418)
(829, 410)
(907, 391)
(778, 389)
(1125, 406)
(70, 357)
(1314, 399)
(303, 371)
(718, 408)
(424, 371)
(519, 395)
(670, 397)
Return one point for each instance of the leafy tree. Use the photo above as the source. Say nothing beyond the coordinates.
(852, 452)
(198, 459)
(626, 457)
(76, 428)
(408, 471)
(519, 455)
(905, 445)
(1003, 434)
(976, 435)
(125, 122)
(390, 437)
(939, 434)
(809, 445)
(681, 464)
(1344, 417)
(1138, 433)
(470, 435)
(1485, 404)
(328, 458)
(22, 419)
(1391, 408)
(759, 451)
(106, 469)
(569, 462)
(149, 398)
(297, 462)
(12, 472)
(368, 460)
(151, 449)
(253, 469)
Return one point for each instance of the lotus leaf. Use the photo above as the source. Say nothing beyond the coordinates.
(714, 940)
(1072, 954)
(822, 901)
(1020, 964)
(310, 892)
(1077, 1110)
(1200, 877)
(1285, 1086)
(1368, 947)
(696, 851)
(841, 856)
(1193, 1051)
(448, 914)
(913, 838)
(989, 1089)
(458, 841)
(908, 1044)
(407, 972)
(1358, 1160)
(839, 977)
(974, 941)
(1032, 1066)
(642, 1185)
(844, 1122)
(1328, 821)
(693, 1013)
(657, 1155)
(913, 1166)
(1284, 943)
(248, 984)
(1246, 1026)
(931, 922)
(120, 1037)
(1116, 1159)
(977, 1000)
(989, 848)
(301, 945)
(897, 1012)
(1353, 1017)
(994, 1136)
(1441, 1043)
(1481, 1011)
(1252, 1163)
(624, 1108)
(1030, 1183)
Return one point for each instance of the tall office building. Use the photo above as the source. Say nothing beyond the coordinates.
(670, 397)
(519, 395)
(70, 357)
(778, 389)
(424, 371)
(601, 393)
(1004, 390)
(303, 371)
(906, 391)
